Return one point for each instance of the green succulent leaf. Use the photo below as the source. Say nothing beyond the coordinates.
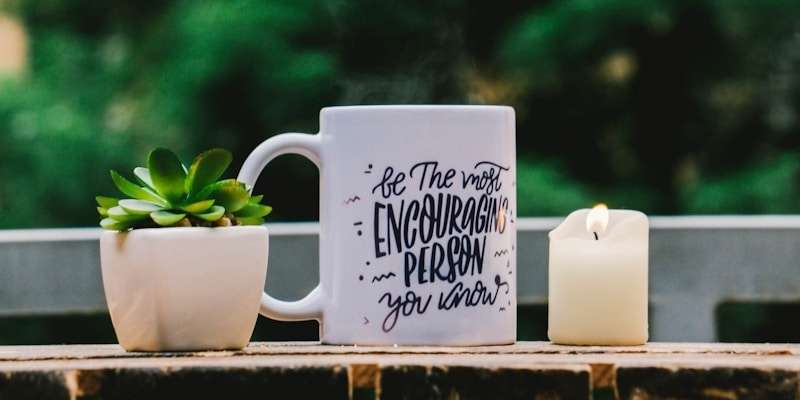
(253, 210)
(139, 207)
(119, 214)
(229, 193)
(167, 174)
(250, 220)
(131, 189)
(213, 214)
(106, 202)
(102, 211)
(166, 218)
(205, 192)
(198, 207)
(114, 225)
(206, 169)
(143, 175)
(256, 199)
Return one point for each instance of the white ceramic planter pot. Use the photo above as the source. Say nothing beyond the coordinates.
(176, 289)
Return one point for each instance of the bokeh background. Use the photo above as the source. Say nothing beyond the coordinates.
(667, 106)
(670, 107)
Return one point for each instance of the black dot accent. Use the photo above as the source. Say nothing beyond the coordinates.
(497, 279)
(361, 277)
(370, 165)
(359, 233)
(367, 262)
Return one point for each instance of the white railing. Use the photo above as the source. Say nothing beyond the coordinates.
(695, 263)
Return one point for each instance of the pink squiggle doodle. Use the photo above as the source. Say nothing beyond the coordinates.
(352, 200)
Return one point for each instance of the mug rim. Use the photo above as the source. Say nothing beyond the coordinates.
(417, 107)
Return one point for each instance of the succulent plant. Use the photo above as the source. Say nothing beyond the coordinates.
(169, 194)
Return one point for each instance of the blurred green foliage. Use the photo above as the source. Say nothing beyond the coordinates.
(669, 106)
(554, 192)
(767, 187)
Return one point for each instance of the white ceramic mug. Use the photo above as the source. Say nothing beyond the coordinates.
(417, 233)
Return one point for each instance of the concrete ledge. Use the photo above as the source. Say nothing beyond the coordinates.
(695, 263)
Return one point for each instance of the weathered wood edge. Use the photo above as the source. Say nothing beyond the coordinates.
(49, 352)
(524, 370)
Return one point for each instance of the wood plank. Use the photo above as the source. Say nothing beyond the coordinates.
(523, 370)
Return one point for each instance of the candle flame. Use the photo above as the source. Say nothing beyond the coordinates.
(597, 219)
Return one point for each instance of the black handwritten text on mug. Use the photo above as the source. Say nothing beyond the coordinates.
(410, 303)
(440, 227)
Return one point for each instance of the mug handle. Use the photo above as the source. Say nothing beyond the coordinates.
(309, 146)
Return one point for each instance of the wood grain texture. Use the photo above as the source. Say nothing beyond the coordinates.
(310, 370)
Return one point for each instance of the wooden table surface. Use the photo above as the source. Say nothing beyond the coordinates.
(310, 370)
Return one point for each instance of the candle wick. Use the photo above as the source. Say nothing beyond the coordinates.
(595, 236)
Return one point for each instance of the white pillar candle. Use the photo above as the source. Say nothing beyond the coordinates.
(598, 278)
